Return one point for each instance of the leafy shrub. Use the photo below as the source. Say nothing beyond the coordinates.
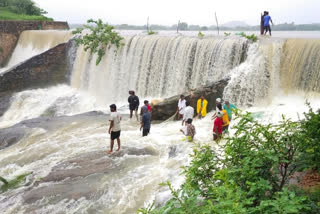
(100, 36)
(200, 35)
(150, 32)
(14, 183)
(252, 173)
(310, 149)
(227, 34)
(251, 37)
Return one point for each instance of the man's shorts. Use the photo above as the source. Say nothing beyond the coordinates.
(115, 135)
(133, 107)
(145, 132)
(267, 28)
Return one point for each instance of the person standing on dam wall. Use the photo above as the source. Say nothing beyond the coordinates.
(114, 129)
(266, 22)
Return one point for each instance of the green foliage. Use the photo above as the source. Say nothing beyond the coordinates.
(310, 149)
(200, 35)
(251, 37)
(6, 14)
(100, 36)
(227, 34)
(27, 7)
(251, 175)
(14, 183)
(150, 32)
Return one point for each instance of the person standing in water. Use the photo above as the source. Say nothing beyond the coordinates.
(202, 107)
(266, 22)
(145, 121)
(218, 102)
(181, 106)
(188, 112)
(114, 128)
(228, 107)
(133, 101)
(189, 130)
(225, 118)
(217, 127)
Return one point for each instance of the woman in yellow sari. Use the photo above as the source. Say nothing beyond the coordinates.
(202, 107)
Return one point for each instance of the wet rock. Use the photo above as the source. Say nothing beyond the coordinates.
(4, 102)
(67, 180)
(173, 151)
(10, 32)
(49, 68)
(92, 163)
(165, 109)
(11, 136)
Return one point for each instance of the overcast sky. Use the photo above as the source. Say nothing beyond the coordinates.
(168, 12)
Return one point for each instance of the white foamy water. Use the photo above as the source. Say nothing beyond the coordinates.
(54, 101)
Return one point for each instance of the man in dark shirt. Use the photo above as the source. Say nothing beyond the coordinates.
(133, 101)
(146, 121)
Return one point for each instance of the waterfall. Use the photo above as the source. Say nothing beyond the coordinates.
(157, 66)
(257, 79)
(300, 67)
(34, 42)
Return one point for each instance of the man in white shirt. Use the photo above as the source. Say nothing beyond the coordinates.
(181, 106)
(188, 112)
(114, 129)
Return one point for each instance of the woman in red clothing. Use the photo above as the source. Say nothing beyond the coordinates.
(217, 127)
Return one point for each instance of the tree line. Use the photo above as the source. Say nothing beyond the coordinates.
(183, 26)
(27, 7)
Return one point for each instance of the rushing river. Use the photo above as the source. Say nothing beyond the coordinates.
(62, 130)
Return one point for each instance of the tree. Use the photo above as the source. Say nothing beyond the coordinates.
(100, 36)
(183, 26)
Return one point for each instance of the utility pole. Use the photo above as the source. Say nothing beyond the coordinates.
(217, 21)
(178, 26)
(148, 24)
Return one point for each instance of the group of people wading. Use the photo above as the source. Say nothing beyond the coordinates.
(222, 116)
(185, 112)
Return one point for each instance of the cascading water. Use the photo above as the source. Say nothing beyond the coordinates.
(300, 67)
(66, 152)
(157, 66)
(34, 42)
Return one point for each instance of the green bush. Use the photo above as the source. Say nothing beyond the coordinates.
(6, 14)
(14, 183)
(252, 172)
(150, 32)
(200, 35)
(251, 37)
(100, 36)
(310, 149)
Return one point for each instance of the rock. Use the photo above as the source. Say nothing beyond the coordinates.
(10, 32)
(165, 109)
(46, 69)
(4, 102)
(66, 180)
(12, 135)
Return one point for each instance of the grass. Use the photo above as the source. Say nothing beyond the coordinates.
(14, 183)
(5, 14)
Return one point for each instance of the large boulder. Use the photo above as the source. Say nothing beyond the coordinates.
(46, 69)
(167, 108)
